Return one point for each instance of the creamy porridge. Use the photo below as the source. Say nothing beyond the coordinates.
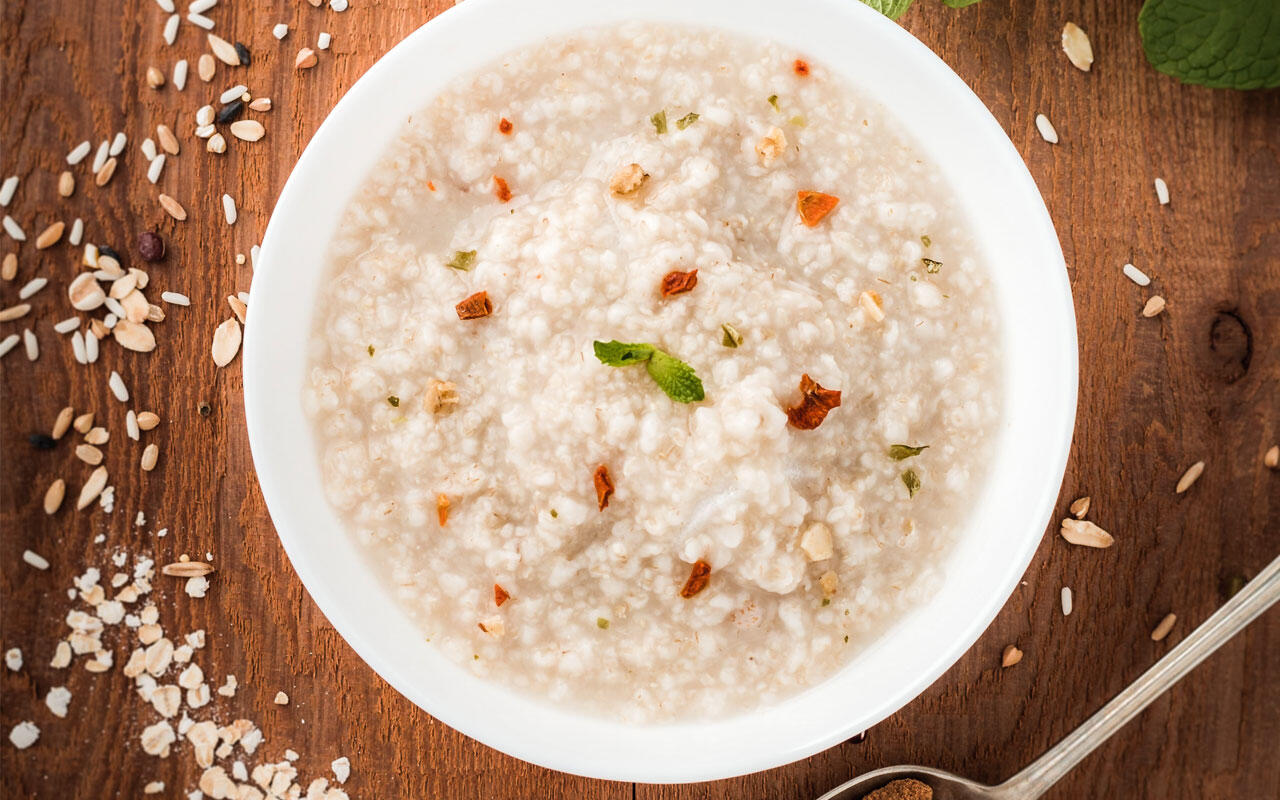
(628, 353)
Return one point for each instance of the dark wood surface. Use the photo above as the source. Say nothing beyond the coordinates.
(1198, 383)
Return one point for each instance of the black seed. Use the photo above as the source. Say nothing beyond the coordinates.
(42, 441)
(243, 53)
(230, 112)
(204, 408)
(150, 246)
(104, 250)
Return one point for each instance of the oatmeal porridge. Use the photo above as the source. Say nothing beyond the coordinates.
(656, 370)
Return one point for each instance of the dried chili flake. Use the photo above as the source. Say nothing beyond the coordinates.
(814, 206)
(604, 486)
(505, 127)
(501, 190)
(699, 577)
(801, 67)
(813, 406)
(442, 509)
(475, 306)
(676, 282)
(431, 185)
(500, 595)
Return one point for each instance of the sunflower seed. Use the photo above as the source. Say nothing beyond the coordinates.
(149, 456)
(173, 207)
(226, 342)
(229, 209)
(53, 496)
(206, 67)
(147, 420)
(1075, 43)
(155, 78)
(260, 104)
(1166, 625)
(103, 176)
(1136, 275)
(187, 569)
(1162, 191)
(171, 28)
(79, 153)
(83, 423)
(1080, 507)
(12, 228)
(31, 287)
(62, 423)
(1272, 458)
(1083, 532)
(1047, 131)
(180, 74)
(242, 53)
(223, 50)
(1153, 307)
(49, 236)
(66, 184)
(89, 454)
(230, 112)
(15, 312)
(97, 435)
(250, 130)
(9, 268)
(92, 488)
(1189, 477)
(117, 387)
(167, 140)
(306, 58)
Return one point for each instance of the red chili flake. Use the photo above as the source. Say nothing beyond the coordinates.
(814, 405)
(475, 306)
(500, 189)
(604, 486)
(442, 509)
(814, 206)
(505, 126)
(676, 282)
(699, 577)
(801, 67)
(500, 595)
(431, 185)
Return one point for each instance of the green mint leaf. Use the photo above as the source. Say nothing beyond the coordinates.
(686, 120)
(675, 377)
(926, 240)
(958, 3)
(619, 354)
(898, 452)
(602, 623)
(463, 260)
(1223, 44)
(890, 8)
(659, 121)
(912, 482)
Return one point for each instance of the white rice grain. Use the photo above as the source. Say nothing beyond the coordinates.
(149, 148)
(77, 233)
(6, 191)
(113, 305)
(1162, 191)
(1047, 131)
(200, 21)
(204, 116)
(1136, 275)
(117, 387)
(32, 344)
(100, 157)
(91, 348)
(118, 144)
(253, 257)
(79, 153)
(165, 5)
(35, 559)
(67, 325)
(323, 40)
(77, 347)
(232, 94)
(14, 230)
(131, 425)
(175, 298)
(180, 70)
(155, 167)
(201, 6)
(31, 287)
(8, 343)
(338, 5)
(229, 209)
(171, 28)
(1066, 601)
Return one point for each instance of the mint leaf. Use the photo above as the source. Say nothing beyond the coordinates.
(618, 354)
(1223, 44)
(958, 3)
(900, 451)
(686, 120)
(890, 8)
(675, 377)
(463, 260)
(659, 121)
(912, 481)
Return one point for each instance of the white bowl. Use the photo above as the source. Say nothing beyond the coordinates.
(1008, 519)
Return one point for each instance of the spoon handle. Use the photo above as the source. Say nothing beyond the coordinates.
(1257, 596)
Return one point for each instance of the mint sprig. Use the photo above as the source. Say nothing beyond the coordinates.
(672, 375)
(1224, 45)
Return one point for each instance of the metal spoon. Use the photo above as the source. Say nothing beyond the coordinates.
(1257, 596)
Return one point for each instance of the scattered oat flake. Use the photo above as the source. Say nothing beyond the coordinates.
(281, 699)
(1162, 630)
(24, 734)
(1075, 43)
(197, 586)
(1189, 477)
(57, 700)
(341, 769)
(13, 659)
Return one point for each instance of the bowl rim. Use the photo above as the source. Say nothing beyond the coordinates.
(528, 728)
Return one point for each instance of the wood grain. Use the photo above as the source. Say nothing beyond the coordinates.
(1198, 382)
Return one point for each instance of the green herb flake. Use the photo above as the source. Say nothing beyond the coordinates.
(826, 601)
(926, 240)
(798, 120)
(672, 375)
(370, 351)
(899, 452)
(554, 513)
(602, 623)
(731, 336)
(931, 266)
(912, 481)
(1233, 585)
(393, 400)
(462, 260)
(659, 121)
(846, 638)
(686, 120)
(773, 101)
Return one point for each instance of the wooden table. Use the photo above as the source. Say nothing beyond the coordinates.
(1197, 383)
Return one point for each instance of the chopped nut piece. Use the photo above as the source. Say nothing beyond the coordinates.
(1012, 655)
(628, 180)
(505, 127)
(440, 396)
(699, 577)
(281, 699)
(815, 403)
(870, 304)
(604, 486)
(1272, 458)
(1153, 307)
(771, 146)
(1083, 532)
(816, 542)
(306, 58)
(475, 307)
(676, 282)
(829, 582)
(801, 68)
(1080, 507)
(814, 206)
